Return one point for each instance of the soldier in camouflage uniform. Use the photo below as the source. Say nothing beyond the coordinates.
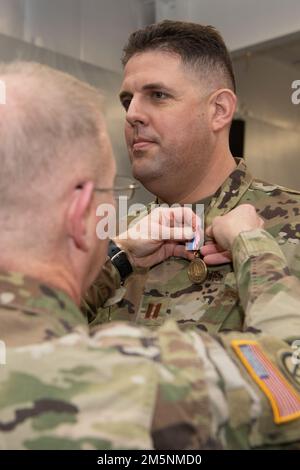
(55, 173)
(178, 93)
(126, 387)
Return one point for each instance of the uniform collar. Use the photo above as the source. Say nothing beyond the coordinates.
(41, 311)
(230, 193)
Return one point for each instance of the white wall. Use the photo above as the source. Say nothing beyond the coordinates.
(96, 30)
(241, 22)
(91, 30)
(12, 14)
(272, 140)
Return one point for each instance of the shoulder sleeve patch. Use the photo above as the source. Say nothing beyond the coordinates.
(283, 398)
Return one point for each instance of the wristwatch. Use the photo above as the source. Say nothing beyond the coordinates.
(119, 259)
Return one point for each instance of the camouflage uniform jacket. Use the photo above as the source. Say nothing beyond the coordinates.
(123, 386)
(165, 291)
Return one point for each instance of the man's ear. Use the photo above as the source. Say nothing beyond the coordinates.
(77, 216)
(223, 104)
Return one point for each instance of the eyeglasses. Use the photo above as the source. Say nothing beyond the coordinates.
(124, 187)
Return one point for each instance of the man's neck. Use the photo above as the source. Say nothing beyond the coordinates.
(211, 182)
(207, 184)
(53, 276)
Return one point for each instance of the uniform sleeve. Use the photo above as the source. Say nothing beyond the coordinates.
(270, 295)
(232, 391)
(105, 287)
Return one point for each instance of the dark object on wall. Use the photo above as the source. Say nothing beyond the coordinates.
(237, 137)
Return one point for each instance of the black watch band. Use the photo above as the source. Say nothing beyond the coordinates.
(120, 260)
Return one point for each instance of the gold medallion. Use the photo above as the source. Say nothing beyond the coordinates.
(197, 271)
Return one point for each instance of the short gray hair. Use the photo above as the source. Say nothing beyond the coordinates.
(50, 129)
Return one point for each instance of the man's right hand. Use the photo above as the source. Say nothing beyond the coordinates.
(224, 229)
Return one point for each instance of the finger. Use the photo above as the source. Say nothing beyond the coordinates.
(164, 252)
(209, 231)
(210, 248)
(165, 216)
(171, 221)
(181, 252)
(184, 216)
(160, 217)
(217, 258)
(156, 216)
(179, 234)
(182, 219)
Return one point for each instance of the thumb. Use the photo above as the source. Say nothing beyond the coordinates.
(209, 231)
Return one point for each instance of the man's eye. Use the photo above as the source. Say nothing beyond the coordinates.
(159, 95)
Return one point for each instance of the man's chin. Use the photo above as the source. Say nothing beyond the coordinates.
(144, 171)
(144, 174)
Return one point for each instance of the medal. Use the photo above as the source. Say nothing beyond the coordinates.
(197, 270)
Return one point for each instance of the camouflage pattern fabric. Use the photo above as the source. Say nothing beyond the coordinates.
(106, 286)
(123, 386)
(267, 289)
(165, 291)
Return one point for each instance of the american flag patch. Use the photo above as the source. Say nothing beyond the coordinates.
(284, 399)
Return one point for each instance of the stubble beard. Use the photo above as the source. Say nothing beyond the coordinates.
(159, 174)
(147, 168)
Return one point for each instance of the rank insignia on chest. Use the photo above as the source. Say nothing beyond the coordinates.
(152, 311)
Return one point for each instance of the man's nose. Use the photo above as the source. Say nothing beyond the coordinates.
(136, 113)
